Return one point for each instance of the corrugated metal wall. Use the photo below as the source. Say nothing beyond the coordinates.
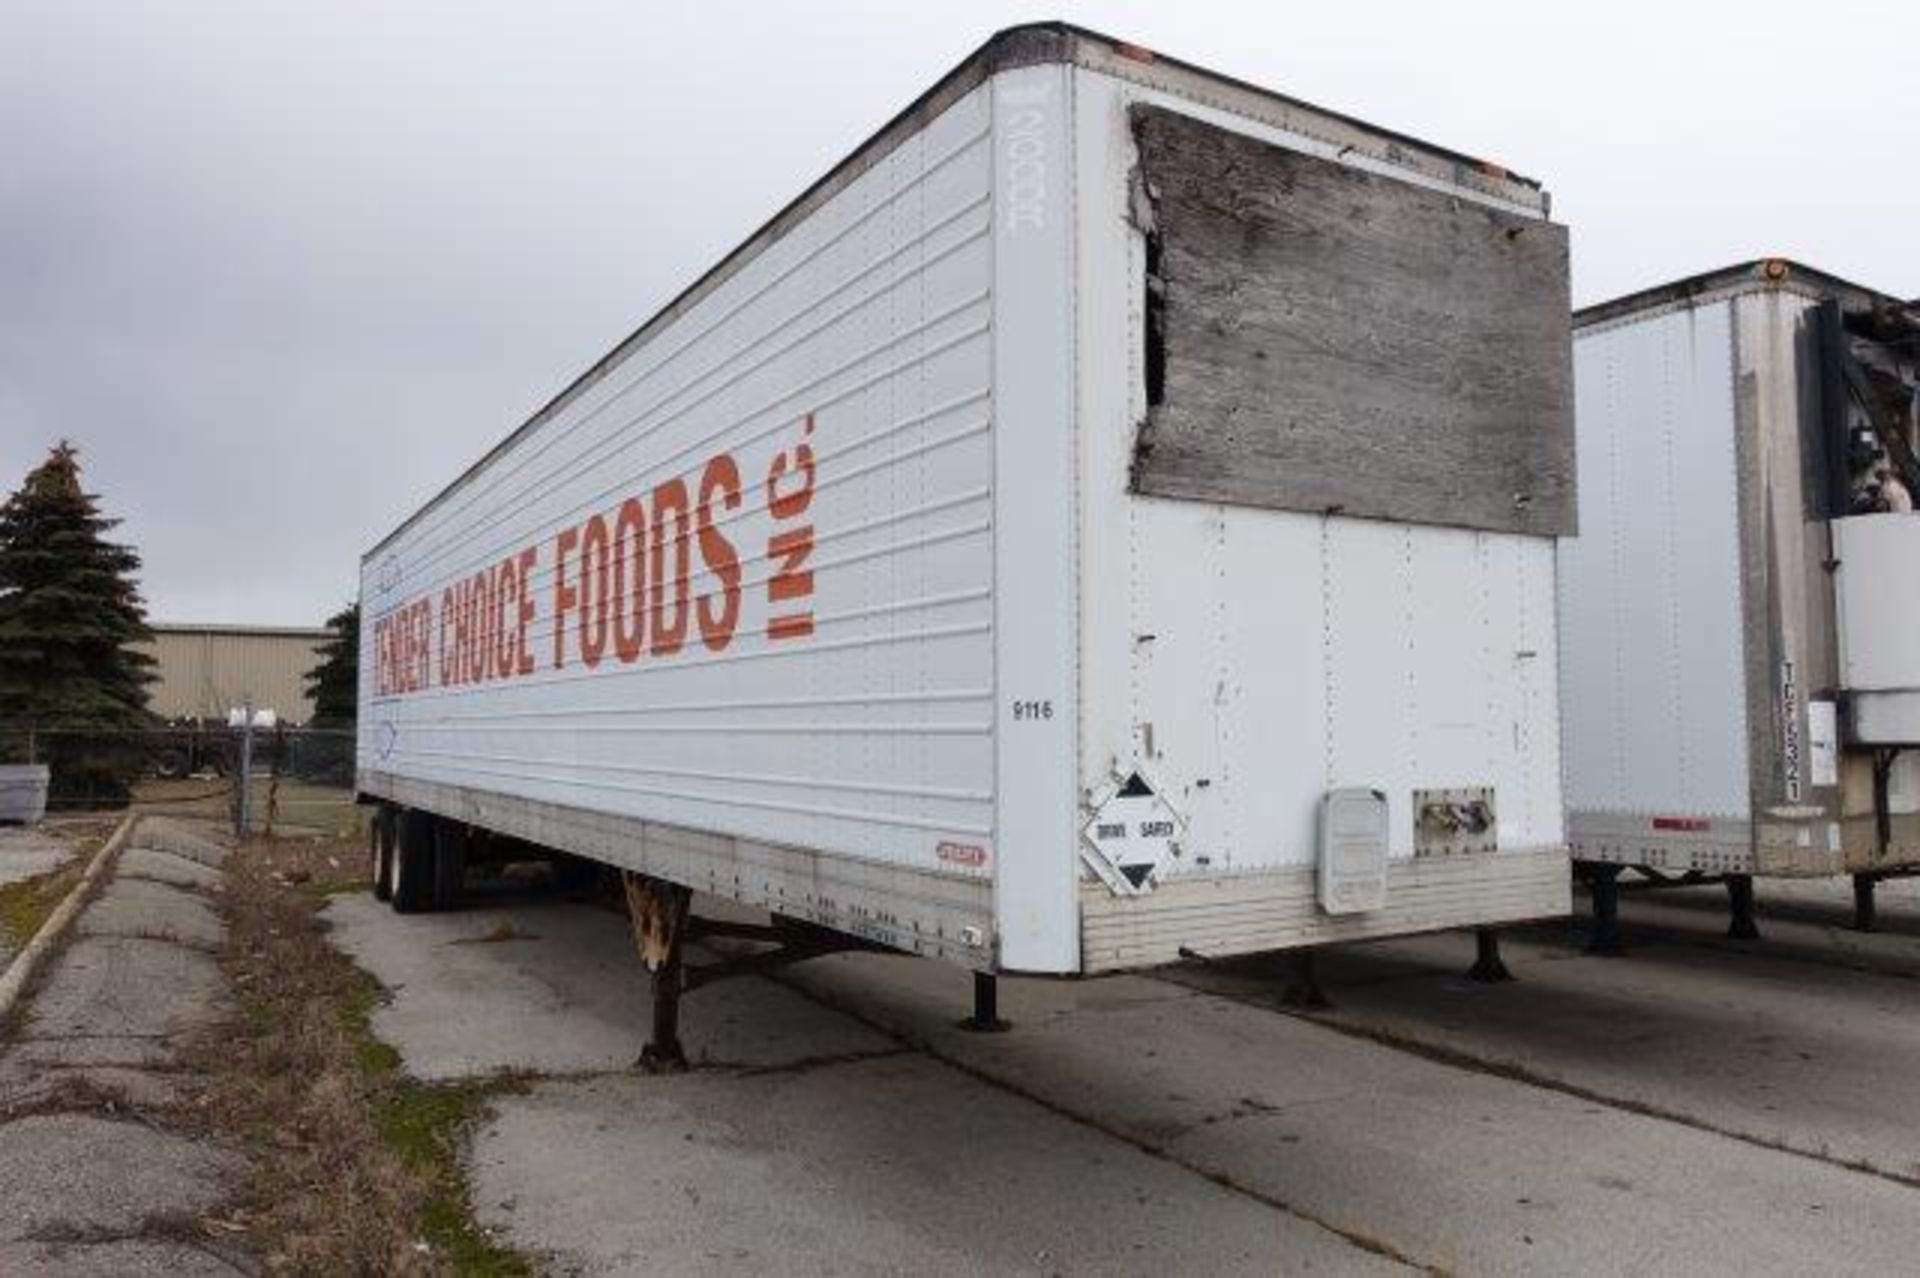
(205, 671)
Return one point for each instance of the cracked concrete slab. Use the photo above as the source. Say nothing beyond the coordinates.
(167, 867)
(195, 843)
(1456, 1168)
(899, 1165)
(78, 1175)
(132, 907)
(27, 1081)
(555, 987)
(1749, 1039)
(120, 1258)
(114, 987)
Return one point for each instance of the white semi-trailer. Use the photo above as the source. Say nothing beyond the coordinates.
(1740, 634)
(1110, 516)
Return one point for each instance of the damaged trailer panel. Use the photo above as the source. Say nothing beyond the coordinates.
(839, 589)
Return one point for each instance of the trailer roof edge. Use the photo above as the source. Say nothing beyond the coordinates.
(1029, 44)
(1728, 281)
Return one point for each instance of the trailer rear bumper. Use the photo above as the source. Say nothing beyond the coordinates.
(1224, 915)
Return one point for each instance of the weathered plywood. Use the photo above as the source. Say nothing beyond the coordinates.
(1334, 340)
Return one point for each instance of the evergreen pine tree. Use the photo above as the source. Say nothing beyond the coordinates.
(334, 684)
(70, 613)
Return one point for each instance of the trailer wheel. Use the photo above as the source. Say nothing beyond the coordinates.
(413, 858)
(575, 876)
(449, 864)
(380, 833)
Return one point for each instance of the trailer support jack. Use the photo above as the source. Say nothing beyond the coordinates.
(657, 913)
(1488, 967)
(1303, 987)
(1604, 882)
(986, 1006)
(1741, 927)
(1865, 916)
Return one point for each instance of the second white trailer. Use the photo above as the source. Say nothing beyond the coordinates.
(1740, 637)
(1110, 517)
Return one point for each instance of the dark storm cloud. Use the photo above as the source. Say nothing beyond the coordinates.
(283, 270)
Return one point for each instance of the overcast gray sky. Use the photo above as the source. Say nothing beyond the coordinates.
(283, 269)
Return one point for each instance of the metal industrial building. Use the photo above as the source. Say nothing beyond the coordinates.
(206, 670)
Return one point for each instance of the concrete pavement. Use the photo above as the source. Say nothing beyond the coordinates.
(844, 1122)
(85, 1188)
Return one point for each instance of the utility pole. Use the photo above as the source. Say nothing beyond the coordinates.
(243, 800)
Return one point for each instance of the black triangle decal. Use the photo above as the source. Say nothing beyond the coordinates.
(1136, 874)
(1135, 788)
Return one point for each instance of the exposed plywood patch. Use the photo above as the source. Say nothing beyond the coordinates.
(1326, 339)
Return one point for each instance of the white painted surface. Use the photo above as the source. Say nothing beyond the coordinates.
(1879, 611)
(1000, 631)
(1887, 718)
(1650, 622)
(1035, 696)
(872, 737)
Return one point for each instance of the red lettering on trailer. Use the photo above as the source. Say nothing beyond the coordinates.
(722, 479)
(403, 649)
(630, 581)
(523, 660)
(564, 595)
(1693, 825)
(596, 583)
(790, 479)
(504, 598)
(623, 583)
(669, 628)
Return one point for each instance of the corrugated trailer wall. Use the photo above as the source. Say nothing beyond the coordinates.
(1651, 626)
(814, 435)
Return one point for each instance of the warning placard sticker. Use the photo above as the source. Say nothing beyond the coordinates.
(1131, 836)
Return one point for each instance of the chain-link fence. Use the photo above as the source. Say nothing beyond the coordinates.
(269, 780)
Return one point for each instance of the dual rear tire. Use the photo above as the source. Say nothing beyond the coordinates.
(420, 861)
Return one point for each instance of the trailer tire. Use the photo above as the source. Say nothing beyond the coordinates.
(449, 863)
(380, 832)
(575, 876)
(413, 858)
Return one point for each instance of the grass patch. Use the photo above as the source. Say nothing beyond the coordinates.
(425, 1126)
(359, 1165)
(25, 905)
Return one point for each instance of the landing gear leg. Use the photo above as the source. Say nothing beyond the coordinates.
(1865, 917)
(1303, 989)
(1741, 927)
(986, 1006)
(1604, 881)
(1488, 967)
(657, 913)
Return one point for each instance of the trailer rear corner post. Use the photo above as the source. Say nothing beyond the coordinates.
(1488, 967)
